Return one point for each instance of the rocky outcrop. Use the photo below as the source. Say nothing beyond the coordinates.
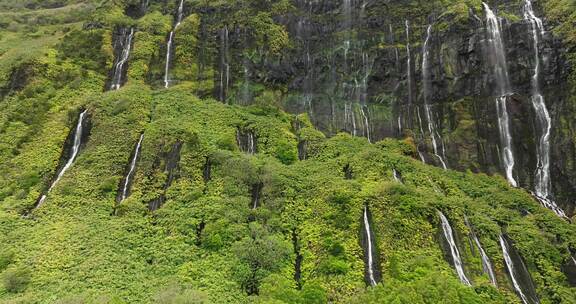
(356, 66)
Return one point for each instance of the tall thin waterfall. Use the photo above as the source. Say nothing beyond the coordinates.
(350, 116)
(408, 62)
(542, 183)
(426, 87)
(514, 272)
(497, 61)
(224, 63)
(179, 16)
(347, 11)
(486, 263)
(455, 253)
(365, 114)
(73, 153)
(369, 249)
(130, 176)
(362, 93)
(505, 139)
(121, 61)
(420, 154)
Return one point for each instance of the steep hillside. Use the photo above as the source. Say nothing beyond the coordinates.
(188, 151)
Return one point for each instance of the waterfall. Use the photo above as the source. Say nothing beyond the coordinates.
(497, 61)
(369, 249)
(349, 116)
(170, 44)
(448, 235)
(364, 111)
(363, 93)
(426, 87)
(144, 5)
(486, 264)
(542, 183)
(224, 65)
(121, 61)
(129, 177)
(420, 154)
(496, 52)
(251, 144)
(408, 62)
(505, 139)
(396, 175)
(514, 272)
(246, 141)
(347, 11)
(73, 153)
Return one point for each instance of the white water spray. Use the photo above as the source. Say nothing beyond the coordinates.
(486, 263)
(497, 58)
(408, 62)
(170, 44)
(132, 170)
(506, 139)
(542, 182)
(426, 87)
(224, 64)
(396, 175)
(455, 253)
(511, 270)
(369, 250)
(73, 153)
(121, 62)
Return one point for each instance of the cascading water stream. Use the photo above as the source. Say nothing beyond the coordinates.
(396, 175)
(130, 176)
(349, 116)
(73, 153)
(486, 263)
(542, 183)
(362, 92)
(170, 44)
(408, 63)
(347, 11)
(455, 253)
(426, 87)
(369, 249)
(364, 111)
(224, 64)
(505, 139)
(513, 271)
(420, 154)
(118, 70)
(497, 58)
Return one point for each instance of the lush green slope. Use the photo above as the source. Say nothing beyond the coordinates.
(206, 244)
(73, 246)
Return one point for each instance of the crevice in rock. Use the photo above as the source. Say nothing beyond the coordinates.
(298, 260)
(172, 159)
(256, 195)
(348, 173)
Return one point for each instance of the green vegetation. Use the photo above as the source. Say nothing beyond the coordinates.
(206, 244)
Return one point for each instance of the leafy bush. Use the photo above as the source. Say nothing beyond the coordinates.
(16, 279)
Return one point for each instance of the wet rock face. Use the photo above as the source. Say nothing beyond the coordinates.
(349, 70)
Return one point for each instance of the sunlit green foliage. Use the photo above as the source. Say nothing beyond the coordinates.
(206, 244)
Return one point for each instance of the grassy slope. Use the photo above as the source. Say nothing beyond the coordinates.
(75, 247)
